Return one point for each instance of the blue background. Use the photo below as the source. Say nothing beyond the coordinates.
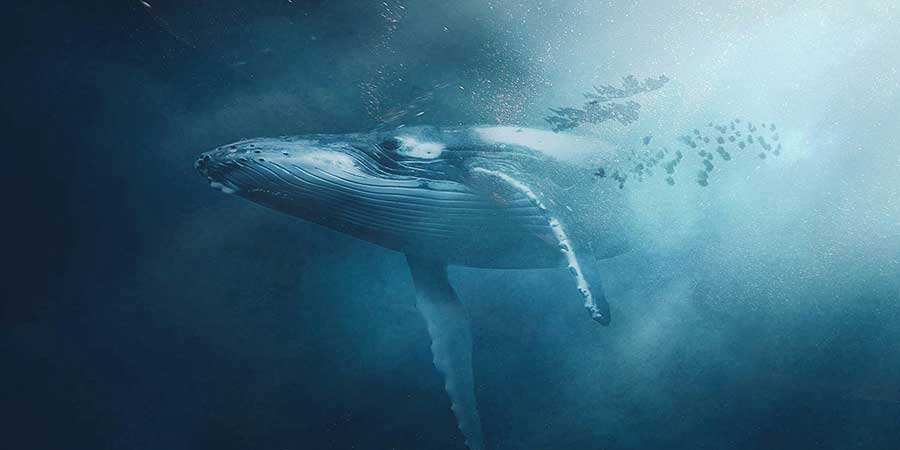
(145, 310)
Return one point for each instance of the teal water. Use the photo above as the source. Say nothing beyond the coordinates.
(756, 309)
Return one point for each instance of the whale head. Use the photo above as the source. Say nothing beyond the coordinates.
(407, 191)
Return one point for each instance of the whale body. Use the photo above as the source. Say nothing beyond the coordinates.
(494, 197)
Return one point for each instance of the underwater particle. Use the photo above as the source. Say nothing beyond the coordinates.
(772, 127)
(693, 144)
(762, 156)
(732, 126)
(708, 165)
(777, 150)
(724, 154)
(775, 137)
(730, 138)
(750, 139)
(737, 120)
(742, 145)
(720, 140)
(702, 153)
(647, 139)
(697, 132)
(710, 125)
(671, 181)
(600, 173)
(705, 140)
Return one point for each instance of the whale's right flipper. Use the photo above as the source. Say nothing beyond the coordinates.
(595, 304)
(451, 342)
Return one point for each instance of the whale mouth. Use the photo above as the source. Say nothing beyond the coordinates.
(216, 172)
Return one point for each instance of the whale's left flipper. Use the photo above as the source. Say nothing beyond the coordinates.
(451, 342)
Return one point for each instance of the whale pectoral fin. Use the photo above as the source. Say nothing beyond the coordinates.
(600, 310)
(451, 342)
(595, 304)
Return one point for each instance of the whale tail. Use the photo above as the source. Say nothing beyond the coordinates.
(451, 343)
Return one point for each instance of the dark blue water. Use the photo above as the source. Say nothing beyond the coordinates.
(147, 311)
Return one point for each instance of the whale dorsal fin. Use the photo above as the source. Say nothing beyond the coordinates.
(595, 304)
(451, 342)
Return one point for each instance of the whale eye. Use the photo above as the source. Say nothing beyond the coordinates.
(390, 144)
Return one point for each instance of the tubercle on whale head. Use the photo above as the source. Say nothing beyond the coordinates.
(374, 153)
(249, 164)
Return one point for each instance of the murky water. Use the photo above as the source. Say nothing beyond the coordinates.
(751, 148)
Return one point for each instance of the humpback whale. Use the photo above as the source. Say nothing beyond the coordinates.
(494, 197)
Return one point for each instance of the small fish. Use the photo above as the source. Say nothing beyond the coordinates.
(724, 154)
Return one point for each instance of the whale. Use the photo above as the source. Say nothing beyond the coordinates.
(490, 197)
